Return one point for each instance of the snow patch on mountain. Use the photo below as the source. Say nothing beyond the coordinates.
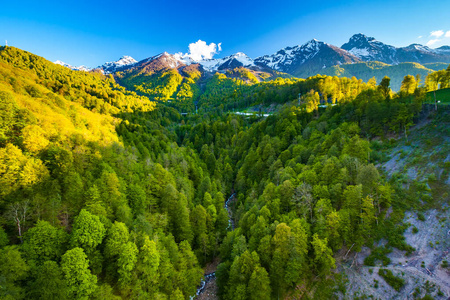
(296, 60)
(111, 67)
(236, 60)
(369, 49)
(443, 50)
(291, 55)
(420, 48)
(183, 58)
(359, 52)
(170, 60)
(80, 68)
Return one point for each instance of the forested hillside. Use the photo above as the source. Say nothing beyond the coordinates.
(165, 79)
(83, 215)
(368, 70)
(107, 194)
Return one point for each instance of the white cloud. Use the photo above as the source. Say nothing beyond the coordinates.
(419, 37)
(432, 42)
(200, 50)
(447, 34)
(437, 33)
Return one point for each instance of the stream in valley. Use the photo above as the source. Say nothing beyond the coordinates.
(212, 276)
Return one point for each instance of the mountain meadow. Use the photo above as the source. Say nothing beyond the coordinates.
(155, 180)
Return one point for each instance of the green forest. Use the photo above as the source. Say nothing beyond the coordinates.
(367, 70)
(107, 191)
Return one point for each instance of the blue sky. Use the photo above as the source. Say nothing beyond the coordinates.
(92, 32)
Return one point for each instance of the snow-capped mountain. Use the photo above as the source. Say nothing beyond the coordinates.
(443, 49)
(80, 68)
(302, 60)
(369, 49)
(162, 61)
(174, 61)
(114, 66)
(307, 58)
(230, 62)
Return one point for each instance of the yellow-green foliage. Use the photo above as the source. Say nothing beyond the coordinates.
(159, 86)
(42, 116)
(236, 93)
(92, 90)
(243, 74)
(438, 80)
(367, 70)
(189, 88)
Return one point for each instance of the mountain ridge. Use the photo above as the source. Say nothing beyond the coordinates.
(369, 49)
(301, 60)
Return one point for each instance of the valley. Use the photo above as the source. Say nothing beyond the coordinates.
(169, 178)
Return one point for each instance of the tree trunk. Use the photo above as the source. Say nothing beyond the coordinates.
(405, 133)
(435, 101)
(19, 228)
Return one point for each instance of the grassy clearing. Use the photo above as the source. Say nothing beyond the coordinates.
(441, 95)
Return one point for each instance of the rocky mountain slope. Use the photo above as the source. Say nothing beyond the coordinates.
(369, 49)
(307, 59)
(423, 162)
(356, 58)
(123, 63)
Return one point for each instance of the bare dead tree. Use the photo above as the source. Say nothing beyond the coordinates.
(18, 213)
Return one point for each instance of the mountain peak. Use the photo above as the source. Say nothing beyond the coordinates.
(313, 42)
(418, 47)
(369, 49)
(314, 54)
(444, 48)
(312, 45)
(361, 37)
(80, 68)
(126, 57)
(125, 60)
(113, 66)
(359, 41)
(238, 59)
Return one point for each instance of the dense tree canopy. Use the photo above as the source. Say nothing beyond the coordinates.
(107, 195)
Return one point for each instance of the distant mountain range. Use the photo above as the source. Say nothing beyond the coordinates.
(107, 68)
(309, 59)
(369, 49)
(306, 60)
(79, 68)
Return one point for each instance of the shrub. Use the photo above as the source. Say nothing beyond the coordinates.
(395, 282)
(420, 216)
(379, 254)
